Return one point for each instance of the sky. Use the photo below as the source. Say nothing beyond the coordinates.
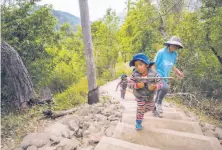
(97, 8)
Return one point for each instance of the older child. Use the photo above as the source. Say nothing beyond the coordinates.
(123, 85)
(143, 90)
(165, 61)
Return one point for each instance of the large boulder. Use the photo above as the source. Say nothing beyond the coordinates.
(68, 144)
(60, 130)
(36, 139)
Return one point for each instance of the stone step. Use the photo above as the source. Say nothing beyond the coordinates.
(133, 108)
(166, 115)
(165, 139)
(133, 105)
(177, 125)
(108, 143)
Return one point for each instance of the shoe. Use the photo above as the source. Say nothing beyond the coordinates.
(159, 108)
(157, 114)
(138, 124)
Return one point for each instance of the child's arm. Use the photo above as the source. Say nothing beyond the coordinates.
(158, 84)
(132, 84)
(118, 85)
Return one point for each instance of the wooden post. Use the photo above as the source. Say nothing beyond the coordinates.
(93, 93)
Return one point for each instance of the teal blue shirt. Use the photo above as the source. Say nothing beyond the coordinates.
(164, 61)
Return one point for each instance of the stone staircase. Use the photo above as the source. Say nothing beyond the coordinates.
(175, 131)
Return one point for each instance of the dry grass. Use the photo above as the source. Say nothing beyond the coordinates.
(203, 115)
(18, 124)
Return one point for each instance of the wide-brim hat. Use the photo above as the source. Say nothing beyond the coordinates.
(174, 40)
(142, 57)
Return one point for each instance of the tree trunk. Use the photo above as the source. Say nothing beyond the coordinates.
(15, 78)
(93, 94)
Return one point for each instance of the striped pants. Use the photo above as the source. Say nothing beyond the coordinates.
(143, 107)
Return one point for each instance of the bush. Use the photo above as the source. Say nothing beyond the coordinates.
(74, 95)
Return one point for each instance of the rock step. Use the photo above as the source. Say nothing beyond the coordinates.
(133, 108)
(166, 115)
(165, 139)
(177, 125)
(108, 143)
(133, 105)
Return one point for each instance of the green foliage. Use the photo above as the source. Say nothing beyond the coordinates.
(139, 32)
(104, 34)
(29, 33)
(74, 95)
(67, 60)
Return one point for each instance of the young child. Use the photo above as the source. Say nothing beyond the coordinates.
(123, 85)
(144, 90)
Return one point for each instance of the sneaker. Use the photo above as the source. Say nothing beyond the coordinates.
(138, 124)
(157, 114)
(159, 108)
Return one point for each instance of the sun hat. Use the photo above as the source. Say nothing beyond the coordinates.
(141, 57)
(174, 40)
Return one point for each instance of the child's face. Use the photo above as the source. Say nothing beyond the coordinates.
(141, 67)
(173, 48)
(124, 78)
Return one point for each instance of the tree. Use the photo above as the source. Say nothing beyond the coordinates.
(93, 95)
(106, 44)
(17, 87)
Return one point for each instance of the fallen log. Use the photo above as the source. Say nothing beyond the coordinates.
(53, 115)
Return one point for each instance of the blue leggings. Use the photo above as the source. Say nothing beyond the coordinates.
(161, 93)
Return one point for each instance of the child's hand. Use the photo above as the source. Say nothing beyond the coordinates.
(152, 87)
(140, 85)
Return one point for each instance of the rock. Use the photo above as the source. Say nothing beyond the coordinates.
(85, 142)
(118, 114)
(104, 123)
(67, 144)
(89, 118)
(95, 138)
(98, 105)
(102, 130)
(47, 148)
(60, 130)
(210, 133)
(107, 112)
(114, 123)
(112, 108)
(81, 124)
(35, 139)
(202, 124)
(74, 118)
(55, 139)
(87, 148)
(218, 131)
(109, 131)
(204, 129)
(96, 110)
(114, 101)
(16, 149)
(210, 126)
(86, 126)
(85, 133)
(79, 133)
(113, 118)
(100, 117)
(93, 129)
(32, 148)
(73, 125)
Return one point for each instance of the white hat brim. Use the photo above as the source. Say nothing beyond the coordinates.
(173, 43)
